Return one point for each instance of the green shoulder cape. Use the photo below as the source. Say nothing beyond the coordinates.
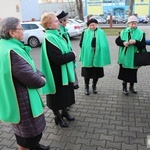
(67, 70)
(101, 56)
(9, 108)
(126, 55)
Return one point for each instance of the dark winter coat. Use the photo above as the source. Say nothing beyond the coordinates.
(64, 96)
(23, 76)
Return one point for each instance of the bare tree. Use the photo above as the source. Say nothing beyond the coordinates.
(131, 7)
(79, 6)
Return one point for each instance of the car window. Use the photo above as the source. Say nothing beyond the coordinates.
(29, 26)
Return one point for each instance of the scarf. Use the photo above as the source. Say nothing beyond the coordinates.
(126, 54)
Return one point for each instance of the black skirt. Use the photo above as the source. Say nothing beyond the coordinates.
(94, 72)
(127, 75)
(64, 97)
(28, 142)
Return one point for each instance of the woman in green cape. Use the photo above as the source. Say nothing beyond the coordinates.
(20, 102)
(94, 54)
(63, 19)
(57, 63)
(130, 40)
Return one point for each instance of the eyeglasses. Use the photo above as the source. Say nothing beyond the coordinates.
(19, 29)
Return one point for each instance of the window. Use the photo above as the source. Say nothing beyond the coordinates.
(29, 26)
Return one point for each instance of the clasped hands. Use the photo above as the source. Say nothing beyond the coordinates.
(130, 42)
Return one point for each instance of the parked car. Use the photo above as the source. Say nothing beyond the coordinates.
(74, 28)
(81, 23)
(116, 19)
(99, 19)
(143, 19)
(33, 33)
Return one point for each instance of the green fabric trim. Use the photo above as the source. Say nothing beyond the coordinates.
(101, 56)
(126, 55)
(67, 70)
(9, 108)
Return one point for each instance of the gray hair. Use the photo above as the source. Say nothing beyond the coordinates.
(6, 25)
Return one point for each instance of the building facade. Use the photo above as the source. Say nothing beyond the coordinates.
(25, 10)
(10, 8)
(116, 7)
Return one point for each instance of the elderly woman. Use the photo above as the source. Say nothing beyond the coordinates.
(94, 54)
(20, 103)
(57, 63)
(63, 19)
(130, 40)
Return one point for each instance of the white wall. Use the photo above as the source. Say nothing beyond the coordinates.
(10, 8)
(29, 10)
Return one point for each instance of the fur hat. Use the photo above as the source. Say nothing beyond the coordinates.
(132, 19)
(61, 15)
(92, 21)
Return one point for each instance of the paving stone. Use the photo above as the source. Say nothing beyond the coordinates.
(129, 146)
(115, 145)
(107, 137)
(121, 139)
(88, 147)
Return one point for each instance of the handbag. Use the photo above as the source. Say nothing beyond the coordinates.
(141, 59)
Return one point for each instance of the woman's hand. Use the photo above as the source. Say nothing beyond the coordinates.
(131, 42)
(43, 78)
(126, 44)
(74, 53)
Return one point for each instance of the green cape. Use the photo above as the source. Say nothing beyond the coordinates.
(101, 56)
(126, 55)
(9, 108)
(67, 70)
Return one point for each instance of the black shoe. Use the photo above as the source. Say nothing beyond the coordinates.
(132, 90)
(40, 147)
(87, 89)
(94, 89)
(76, 87)
(87, 92)
(68, 116)
(61, 122)
(125, 92)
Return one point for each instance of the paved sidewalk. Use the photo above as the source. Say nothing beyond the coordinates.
(108, 120)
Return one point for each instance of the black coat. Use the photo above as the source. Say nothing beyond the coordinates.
(64, 96)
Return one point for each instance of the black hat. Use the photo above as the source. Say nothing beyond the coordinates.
(92, 21)
(61, 15)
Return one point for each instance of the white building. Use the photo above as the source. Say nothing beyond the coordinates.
(25, 10)
(10, 8)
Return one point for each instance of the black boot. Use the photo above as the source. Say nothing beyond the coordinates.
(87, 89)
(86, 81)
(59, 120)
(94, 85)
(40, 147)
(66, 114)
(125, 91)
(94, 88)
(131, 88)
